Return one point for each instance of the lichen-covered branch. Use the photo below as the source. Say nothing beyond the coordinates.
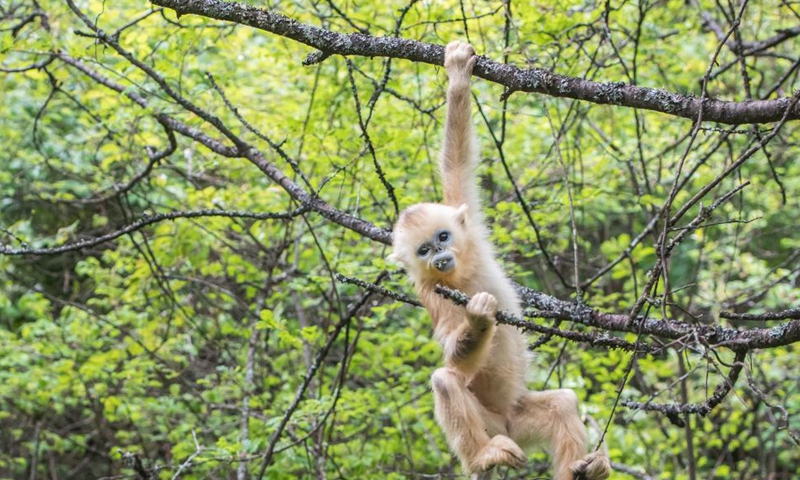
(747, 339)
(506, 318)
(533, 80)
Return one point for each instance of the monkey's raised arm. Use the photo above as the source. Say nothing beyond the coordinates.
(459, 153)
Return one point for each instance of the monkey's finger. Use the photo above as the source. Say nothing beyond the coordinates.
(452, 46)
(472, 62)
(488, 301)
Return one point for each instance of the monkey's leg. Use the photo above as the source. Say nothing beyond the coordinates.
(462, 418)
(552, 417)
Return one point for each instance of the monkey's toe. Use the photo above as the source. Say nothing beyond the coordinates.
(500, 450)
(594, 466)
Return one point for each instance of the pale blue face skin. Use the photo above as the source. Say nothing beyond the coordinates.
(436, 250)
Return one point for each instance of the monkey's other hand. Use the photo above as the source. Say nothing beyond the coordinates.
(459, 58)
(482, 306)
(594, 466)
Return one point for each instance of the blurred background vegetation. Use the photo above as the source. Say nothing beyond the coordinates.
(198, 347)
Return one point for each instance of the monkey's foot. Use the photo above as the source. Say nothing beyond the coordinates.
(459, 58)
(500, 450)
(594, 466)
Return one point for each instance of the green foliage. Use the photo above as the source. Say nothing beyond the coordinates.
(154, 344)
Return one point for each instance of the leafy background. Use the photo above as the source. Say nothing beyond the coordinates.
(145, 354)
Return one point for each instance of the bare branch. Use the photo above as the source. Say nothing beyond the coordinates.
(144, 222)
(702, 409)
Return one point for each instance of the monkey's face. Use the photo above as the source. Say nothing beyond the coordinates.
(436, 251)
(430, 239)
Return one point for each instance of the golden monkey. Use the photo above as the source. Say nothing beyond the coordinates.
(481, 401)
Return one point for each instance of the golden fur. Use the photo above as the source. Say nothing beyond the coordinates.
(481, 400)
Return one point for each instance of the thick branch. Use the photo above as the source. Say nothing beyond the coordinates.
(514, 78)
(505, 318)
(749, 339)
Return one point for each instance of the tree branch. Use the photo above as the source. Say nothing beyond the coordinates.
(702, 409)
(754, 338)
(145, 221)
(533, 80)
(250, 153)
(505, 318)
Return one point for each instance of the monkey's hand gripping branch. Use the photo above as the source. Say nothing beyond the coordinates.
(505, 318)
(466, 343)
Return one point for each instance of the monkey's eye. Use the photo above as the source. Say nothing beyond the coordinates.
(444, 236)
(423, 250)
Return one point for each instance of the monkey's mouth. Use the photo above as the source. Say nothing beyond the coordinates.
(445, 264)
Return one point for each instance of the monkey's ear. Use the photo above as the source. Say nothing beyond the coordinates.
(461, 214)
